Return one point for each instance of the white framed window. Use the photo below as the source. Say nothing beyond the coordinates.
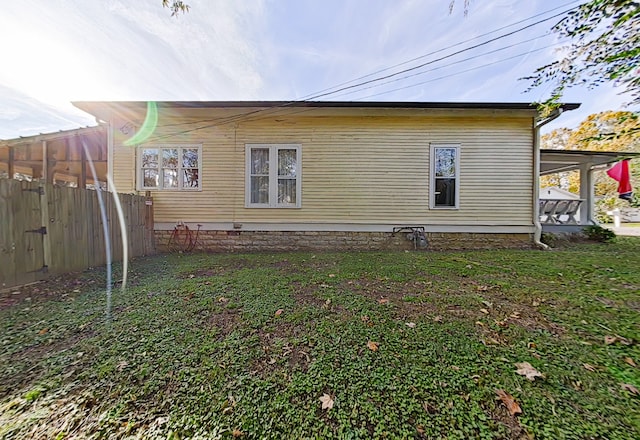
(170, 167)
(444, 187)
(273, 177)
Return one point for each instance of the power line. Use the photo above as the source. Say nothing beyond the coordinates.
(460, 71)
(312, 96)
(452, 64)
(444, 48)
(246, 115)
(475, 46)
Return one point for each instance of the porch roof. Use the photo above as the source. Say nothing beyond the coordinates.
(58, 156)
(556, 161)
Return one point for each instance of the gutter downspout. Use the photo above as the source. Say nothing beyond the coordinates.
(537, 234)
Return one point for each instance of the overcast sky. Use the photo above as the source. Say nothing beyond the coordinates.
(58, 51)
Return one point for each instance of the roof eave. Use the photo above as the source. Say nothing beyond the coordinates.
(104, 109)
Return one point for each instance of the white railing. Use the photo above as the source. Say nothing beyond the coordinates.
(559, 212)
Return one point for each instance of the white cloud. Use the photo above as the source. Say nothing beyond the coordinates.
(121, 50)
(257, 49)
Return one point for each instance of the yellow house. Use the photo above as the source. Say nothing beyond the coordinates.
(329, 175)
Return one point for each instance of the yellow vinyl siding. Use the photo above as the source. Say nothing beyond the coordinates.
(370, 170)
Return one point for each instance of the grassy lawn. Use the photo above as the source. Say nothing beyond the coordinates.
(397, 345)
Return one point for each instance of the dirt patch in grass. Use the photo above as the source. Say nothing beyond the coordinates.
(66, 286)
(38, 354)
(225, 320)
(503, 311)
(471, 301)
(502, 416)
(311, 296)
(280, 351)
(305, 295)
(207, 273)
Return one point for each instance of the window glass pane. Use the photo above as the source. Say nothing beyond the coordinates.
(170, 158)
(287, 191)
(445, 162)
(259, 161)
(287, 163)
(190, 177)
(170, 178)
(260, 189)
(150, 158)
(150, 178)
(445, 192)
(190, 158)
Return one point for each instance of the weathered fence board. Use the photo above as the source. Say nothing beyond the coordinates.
(74, 238)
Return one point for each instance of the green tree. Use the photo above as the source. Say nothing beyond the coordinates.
(466, 6)
(605, 131)
(605, 47)
(176, 6)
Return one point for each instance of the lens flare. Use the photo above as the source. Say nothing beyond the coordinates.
(105, 231)
(148, 126)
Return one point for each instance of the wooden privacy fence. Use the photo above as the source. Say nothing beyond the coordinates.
(46, 230)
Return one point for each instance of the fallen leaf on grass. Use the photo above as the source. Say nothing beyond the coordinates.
(589, 367)
(43, 331)
(509, 402)
(383, 301)
(430, 409)
(122, 365)
(373, 346)
(279, 312)
(237, 433)
(630, 361)
(608, 340)
(485, 311)
(327, 401)
(630, 388)
(526, 369)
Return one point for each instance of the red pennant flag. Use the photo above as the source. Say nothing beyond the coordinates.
(620, 172)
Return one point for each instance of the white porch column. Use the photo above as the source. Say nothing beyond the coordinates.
(587, 194)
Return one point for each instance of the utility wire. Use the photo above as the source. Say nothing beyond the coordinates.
(443, 49)
(290, 111)
(454, 63)
(475, 46)
(313, 96)
(456, 73)
(246, 115)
